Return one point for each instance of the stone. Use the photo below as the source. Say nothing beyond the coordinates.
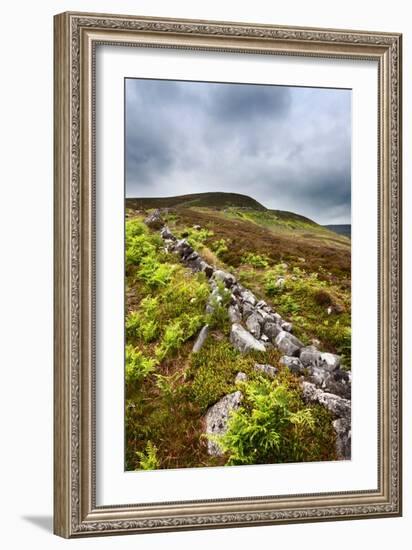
(247, 296)
(294, 364)
(253, 324)
(339, 382)
(343, 431)
(271, 330)
(154, 220)
(227, 278)
(243, 340)
(216, 419)
(318, 375)
(240, 377)
(339, 406)
(192, 257)
(247, 309)
(287, 343)
(234, 314)
(286, 326)
(261, 304)
(280, 283)
(165, 233)
(264, 338)
(183, 248)
(310, 355)
(197, 227)
(269, 370)
(201, 339)
(330, 361)
(206, 268)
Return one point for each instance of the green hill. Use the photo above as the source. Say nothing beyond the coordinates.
(206, 200)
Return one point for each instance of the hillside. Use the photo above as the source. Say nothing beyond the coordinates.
(297, 270)
(206, 200)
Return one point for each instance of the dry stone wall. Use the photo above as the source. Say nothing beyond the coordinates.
(257, 326)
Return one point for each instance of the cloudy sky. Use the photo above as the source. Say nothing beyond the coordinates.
(287, 147)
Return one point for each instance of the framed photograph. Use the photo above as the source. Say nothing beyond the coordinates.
(227, 274)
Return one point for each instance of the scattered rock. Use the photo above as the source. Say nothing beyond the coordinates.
(201, 339)
(240, 377)
(247, 309)
(234, 314)
(247, 296)
(271, 330)
(280, 283)
(167, 234)
(216, 419)
(154, 220)
(310, 355)
(243, 340)
(253, 325)
(197, 227)
(343, 431)
(287, 343)
(286, 326)
(269, 370)
(227, 278)
(337, 405)
(330, 360)
(294, 364)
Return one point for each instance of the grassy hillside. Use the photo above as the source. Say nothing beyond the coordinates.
(206, 200)
(299, 267)
(169, 389)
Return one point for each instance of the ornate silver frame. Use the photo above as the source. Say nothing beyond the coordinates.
(75, 38)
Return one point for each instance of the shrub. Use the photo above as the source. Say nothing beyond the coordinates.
(148, 457)
(256, 260)
(270, 426)
(219, 247)
(137, 365)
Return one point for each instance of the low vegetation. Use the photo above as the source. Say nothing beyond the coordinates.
(302, 270)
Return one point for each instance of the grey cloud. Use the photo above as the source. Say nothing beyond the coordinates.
(289, 148)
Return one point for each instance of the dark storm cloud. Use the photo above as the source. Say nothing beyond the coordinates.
(289, 148)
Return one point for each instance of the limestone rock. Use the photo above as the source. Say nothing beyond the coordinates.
(240, 377)
(253, 325)
(216, 419)
(154, 220)
(201, 339)
(337, 405)
(287, 343)
(294, 364)
(271, 330)
(243, 340)
(269, 370)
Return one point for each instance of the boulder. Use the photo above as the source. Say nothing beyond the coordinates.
(192, 257)
(201, 339)
(227, 278)
(253, 324)
(269, 370)
(261, 304)
(243, 340)
(286, 326)
(287, 343)
(154, 220)
(216, 419)
(339, 406)
(330, 360)
(240, 377)
(294, 364)
(166, 234)
(271, 330)
(247, 309)
(310, 356)
(338, 382)
(248, 297)
(206, 268)
(234, 314)
(343, 431)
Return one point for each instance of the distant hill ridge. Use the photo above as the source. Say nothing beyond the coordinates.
(218, 200)
(340, 229)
